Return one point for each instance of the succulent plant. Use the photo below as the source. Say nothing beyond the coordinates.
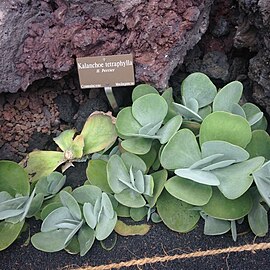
(144, 122)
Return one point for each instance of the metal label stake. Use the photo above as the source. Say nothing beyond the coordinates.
(111, 98)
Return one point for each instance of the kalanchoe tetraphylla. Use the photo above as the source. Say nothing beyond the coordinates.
(16, 203)
(198, 92)
(127, 179)
(218, 163)
(98, 210)
(50, 185)
(144, 121)
(97, 134)
(95, 219)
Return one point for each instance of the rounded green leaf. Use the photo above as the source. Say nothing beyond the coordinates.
(213, 226)
(126, 124)
(253, 113)
(87, 193)
(132, 160)
(159, 179)
(138, 146)
(69, 201)
(189, 191)
(50, 241)
(236, 179)
(105, 227)
(9, 233)
(116, 169)
(130, 198)
(86, 238)
(142, 90)
(97, 174)
(181, 151)
(224, 126)
(49, 208)
(259, 144)
(137, 214)
(228, 96)
(122, 210)
(98, 133)
(176, 214)
(169, 129)
(150, 108)
(13, 178)
(222, 208)
(198, 86)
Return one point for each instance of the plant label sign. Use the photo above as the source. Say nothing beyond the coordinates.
(106, 71)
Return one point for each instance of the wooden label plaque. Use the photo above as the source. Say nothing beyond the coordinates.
(106, 71)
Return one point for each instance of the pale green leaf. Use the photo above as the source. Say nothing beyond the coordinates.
(150, 108)
(86, 238)
(226, 97)
(142, 90)
(181, 151)
(176, 214)
(188, 191)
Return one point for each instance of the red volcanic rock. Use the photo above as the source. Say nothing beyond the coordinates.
(43, 38)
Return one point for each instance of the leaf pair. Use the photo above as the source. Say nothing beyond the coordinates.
(127, 179)
(141, 123)
(198, 92)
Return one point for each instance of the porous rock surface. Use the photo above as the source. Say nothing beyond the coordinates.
(43, 38)
(253, 32)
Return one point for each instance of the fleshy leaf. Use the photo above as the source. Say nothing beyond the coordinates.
(126, 124)
(69, 201)
(159, 179)
(150, 108)
(116, 170)
(86, 238)
(188, 191)
(105, 227)
(199, 176)
(181, 151)
(9, 233)
(130, 198)
(50, 241)
(54, 218)
(87, 194)
(257, 217)
(213, 226)
(226, 97)
(176, 214)
(187, 113)
(89, 215)
(43, 163)
(142, 90)
(259, 144)
(228, 151)
(136, 162)
(97, 174)
(98, 133)
(236, 179)
(169, 129)
(137, 214)
(198, 86)
(13, 178)
(224, 126)
(253, 113)
(138, 146)
(128, 230)
(222, 208)
(262, 180)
